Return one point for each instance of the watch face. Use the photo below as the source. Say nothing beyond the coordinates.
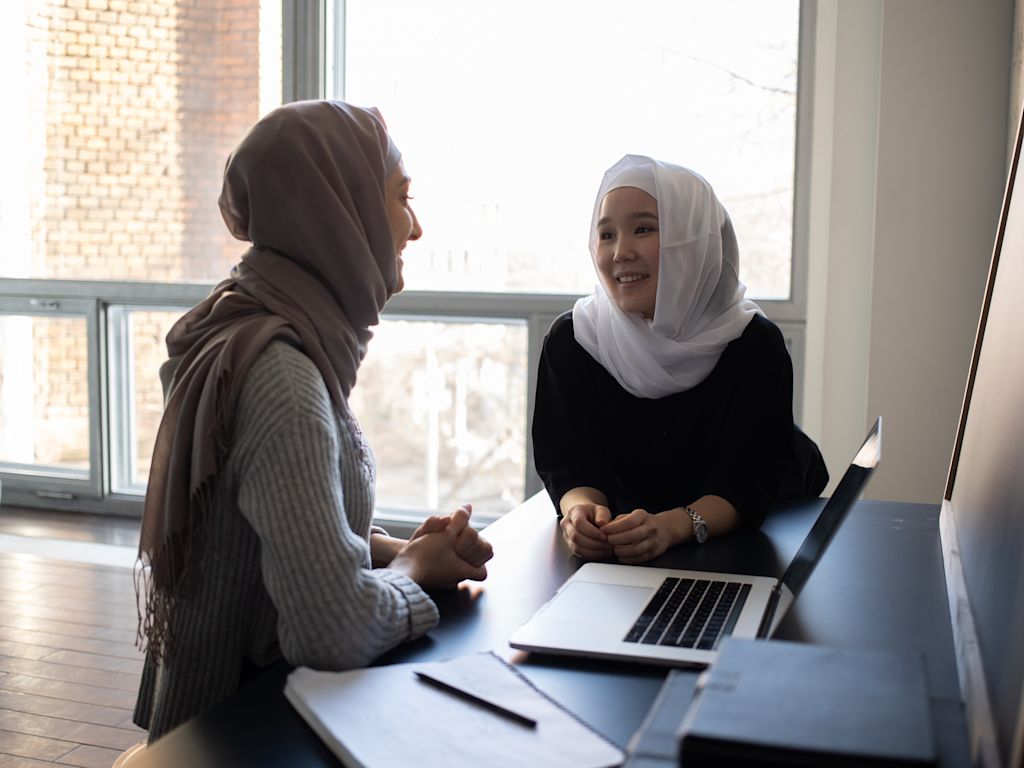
(700, 530)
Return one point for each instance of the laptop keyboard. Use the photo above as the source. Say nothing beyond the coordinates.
(690, 613)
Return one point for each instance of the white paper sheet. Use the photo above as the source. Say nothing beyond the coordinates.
(385, 716)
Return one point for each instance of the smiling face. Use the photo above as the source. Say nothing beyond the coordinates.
(404, 224)
(628, 248)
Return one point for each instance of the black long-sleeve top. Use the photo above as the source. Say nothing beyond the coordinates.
(731, 436)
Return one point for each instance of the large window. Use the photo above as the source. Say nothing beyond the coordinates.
(507, 115)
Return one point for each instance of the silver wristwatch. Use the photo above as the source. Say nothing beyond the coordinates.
(700, 527)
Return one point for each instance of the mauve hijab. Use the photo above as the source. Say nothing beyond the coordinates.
(306, 187)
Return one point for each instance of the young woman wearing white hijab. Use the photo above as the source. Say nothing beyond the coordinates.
(256, 540)
(664, 409)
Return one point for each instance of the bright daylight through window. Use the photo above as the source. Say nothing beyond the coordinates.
(509, 113)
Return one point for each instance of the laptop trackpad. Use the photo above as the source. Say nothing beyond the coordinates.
(588, 601)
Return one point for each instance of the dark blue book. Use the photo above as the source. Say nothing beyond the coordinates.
(773, 703)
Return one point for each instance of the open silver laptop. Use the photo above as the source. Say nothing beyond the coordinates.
(677, 617)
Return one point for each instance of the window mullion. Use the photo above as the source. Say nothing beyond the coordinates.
(119, 390)
(302, 60)
(98, 464)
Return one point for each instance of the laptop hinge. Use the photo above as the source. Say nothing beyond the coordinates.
(769, 613)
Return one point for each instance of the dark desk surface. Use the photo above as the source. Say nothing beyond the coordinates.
(880, 584)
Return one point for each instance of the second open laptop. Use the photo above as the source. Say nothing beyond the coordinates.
(678, 617)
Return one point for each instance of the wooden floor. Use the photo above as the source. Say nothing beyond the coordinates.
(69, 668)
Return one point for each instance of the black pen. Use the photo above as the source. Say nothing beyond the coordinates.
(529, 722)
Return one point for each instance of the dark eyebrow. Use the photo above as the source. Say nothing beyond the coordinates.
(633, 216)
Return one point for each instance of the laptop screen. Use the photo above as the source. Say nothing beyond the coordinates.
(842, 499)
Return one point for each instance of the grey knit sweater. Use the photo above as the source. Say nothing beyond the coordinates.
(285, 560)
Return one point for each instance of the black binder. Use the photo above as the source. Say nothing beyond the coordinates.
(773, 703)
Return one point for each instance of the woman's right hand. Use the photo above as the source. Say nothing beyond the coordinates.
(581, 529)
(433, 557)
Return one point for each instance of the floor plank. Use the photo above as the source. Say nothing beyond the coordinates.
(38, 747)
(65, 710)
(107, 610)
(91, 757)
(68, 642)
(11, 761)
(85, 616)
(24, 650)
(36, 624)
(118, 635)
(116, 584)
(86, 694)
(71, 526)
(65, 674)
(59, 570)
(35, 590)
(67, 730)
(95, 661)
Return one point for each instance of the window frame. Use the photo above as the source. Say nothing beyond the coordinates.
(59, 484)
(96, 300)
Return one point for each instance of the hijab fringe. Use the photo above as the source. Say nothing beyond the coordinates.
(165, 577)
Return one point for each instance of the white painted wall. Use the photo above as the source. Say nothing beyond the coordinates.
(911, 108)
(841, 229)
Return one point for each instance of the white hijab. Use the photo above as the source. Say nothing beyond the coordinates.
(699, 307)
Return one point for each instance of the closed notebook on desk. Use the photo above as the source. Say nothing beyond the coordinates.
(386, 717)
(772, 703)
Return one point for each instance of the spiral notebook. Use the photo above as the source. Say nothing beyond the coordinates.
(388, 716)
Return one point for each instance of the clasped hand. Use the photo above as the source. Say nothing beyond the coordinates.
(592, 534)
(444, 550)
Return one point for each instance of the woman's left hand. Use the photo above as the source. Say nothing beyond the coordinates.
(432, 524)
(638, 536)
(469, 545)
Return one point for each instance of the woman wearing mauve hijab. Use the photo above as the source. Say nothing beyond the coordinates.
(257, 541)
(664, 409)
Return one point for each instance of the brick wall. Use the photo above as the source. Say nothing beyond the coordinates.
(140, 103)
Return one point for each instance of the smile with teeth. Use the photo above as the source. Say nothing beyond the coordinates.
(630, 277)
